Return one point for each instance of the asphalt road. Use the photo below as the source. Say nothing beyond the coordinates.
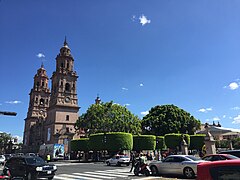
(99, 171)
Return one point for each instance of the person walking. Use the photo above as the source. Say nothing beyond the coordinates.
(132, 160)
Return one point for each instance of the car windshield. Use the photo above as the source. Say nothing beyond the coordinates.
(193, 158)
(34, 160)
(123, 156)
(233, 157)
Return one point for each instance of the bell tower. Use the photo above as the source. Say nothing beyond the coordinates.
(63, 108)
(37, 109)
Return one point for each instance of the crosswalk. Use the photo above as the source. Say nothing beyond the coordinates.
(100, 175)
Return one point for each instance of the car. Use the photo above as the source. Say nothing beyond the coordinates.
(218, 157)
(29, 168)
(2, 159)
(118, 160)
(30, 154)
(232, 152)
(219, 170)
(176, 165)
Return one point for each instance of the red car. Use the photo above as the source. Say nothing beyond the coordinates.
(219, 170)
(218, 157)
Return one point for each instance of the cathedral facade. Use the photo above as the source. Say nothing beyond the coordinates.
(52, 113)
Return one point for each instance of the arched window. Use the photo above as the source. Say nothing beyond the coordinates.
(41, 101)
(67, 117)
(67, 87)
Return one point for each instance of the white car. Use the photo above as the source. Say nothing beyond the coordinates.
(176, 164)
(118, 160)
(2, 159)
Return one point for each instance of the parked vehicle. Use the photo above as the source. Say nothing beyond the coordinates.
(232, 152)
(218, 157)
(176, 165)
(219, 170)
(56, 151)
(30, 154)
(2, 159)
(141, 168)
(118, 160)
(29, 168)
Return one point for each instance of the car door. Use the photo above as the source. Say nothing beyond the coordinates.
(167, 166)
(178, 165)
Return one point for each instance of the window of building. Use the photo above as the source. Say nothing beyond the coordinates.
(67, 65)
(36, 100)
(41, 101)
(38, 83)
(67, 117)
(67, 87)
(43, 84)
(62, 65)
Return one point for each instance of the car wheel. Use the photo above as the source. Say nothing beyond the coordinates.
(188, 172)
(118, 164)
(154, 170)
(128, 164)
(50, 178)
(108, 163)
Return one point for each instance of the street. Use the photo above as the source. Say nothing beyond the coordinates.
(97, 171)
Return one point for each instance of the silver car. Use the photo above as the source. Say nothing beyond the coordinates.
(176, 164)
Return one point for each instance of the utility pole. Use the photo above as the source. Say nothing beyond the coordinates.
(8, 113)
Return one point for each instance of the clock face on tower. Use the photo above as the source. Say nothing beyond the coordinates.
(67, 99)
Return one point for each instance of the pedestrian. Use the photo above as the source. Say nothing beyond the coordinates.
(48, 158)
(132, 160)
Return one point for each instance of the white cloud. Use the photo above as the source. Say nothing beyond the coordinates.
(125, 89)
(127, 104)
(236, 120)
(205, 110)
(236, 108)
(19, 138)
(133, 18)
(232, 86)
(143, 20)
(40, 55)
(144, 113)
(13, 102)
(216, 118)
(141, 85)
(224, 116)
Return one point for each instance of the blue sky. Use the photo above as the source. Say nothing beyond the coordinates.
(136, 53)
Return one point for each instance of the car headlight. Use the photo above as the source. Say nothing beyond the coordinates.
(54, 167)
(39, 168)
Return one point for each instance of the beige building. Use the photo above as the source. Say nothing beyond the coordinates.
(52, 113)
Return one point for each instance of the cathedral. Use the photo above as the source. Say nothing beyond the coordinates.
(52, 113)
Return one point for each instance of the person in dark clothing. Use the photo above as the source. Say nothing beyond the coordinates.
(132, 160)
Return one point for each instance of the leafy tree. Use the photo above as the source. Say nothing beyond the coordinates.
(108, 117)
(5, 142)
(166, 119)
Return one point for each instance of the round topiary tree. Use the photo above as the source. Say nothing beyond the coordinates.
(173, 140)
(144, 142)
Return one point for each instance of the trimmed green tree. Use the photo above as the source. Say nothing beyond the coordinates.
(80, 145)
(197, 141)
(160, 142)
(113, 141)
(173, 140)
(144, 142)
